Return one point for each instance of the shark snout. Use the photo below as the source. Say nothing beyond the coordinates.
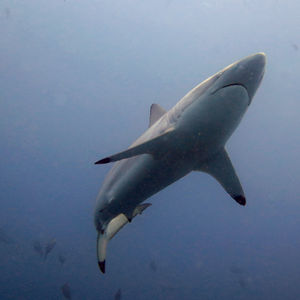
(247, 72)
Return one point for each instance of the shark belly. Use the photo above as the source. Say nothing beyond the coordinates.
(201, 133)
(210, 122)
(143, 177)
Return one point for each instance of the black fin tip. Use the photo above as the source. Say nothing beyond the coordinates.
(103, 161)
(240, 199)
(101, 265)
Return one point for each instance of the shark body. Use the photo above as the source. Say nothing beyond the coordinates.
(189, 137)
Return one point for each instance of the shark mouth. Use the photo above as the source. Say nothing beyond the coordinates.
(233, 84)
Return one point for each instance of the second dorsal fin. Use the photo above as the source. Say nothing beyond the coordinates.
(156, 112)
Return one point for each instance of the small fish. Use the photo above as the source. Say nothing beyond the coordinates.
(4, 238)
(167, 286)
(295, 46)
(242, 282)
(118, 295)
(7, 12)
(66, 291)
(49, 247)
(38, 248)
(153, 266)
(236, 270)
(61, 259)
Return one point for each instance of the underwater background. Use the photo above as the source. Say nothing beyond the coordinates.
(77, 79)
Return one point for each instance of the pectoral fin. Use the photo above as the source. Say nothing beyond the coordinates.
(221, 168)
(149, 147)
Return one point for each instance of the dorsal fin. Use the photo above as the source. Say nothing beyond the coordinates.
(156, 112)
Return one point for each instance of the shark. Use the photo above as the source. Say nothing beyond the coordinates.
(191, 136)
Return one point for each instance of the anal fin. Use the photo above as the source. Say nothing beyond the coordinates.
(140, 208)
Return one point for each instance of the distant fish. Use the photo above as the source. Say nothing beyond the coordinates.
(153, 266)
(242, 282)
(66, 291)
(4, 238)
(241, 276)
(236, 270)
(167, 286)
(295, 46)
(61, 259)
(118, 295)
(49, 247)
(7, 12)
(38, 248)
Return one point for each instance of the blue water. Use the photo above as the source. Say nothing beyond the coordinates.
(77, 79)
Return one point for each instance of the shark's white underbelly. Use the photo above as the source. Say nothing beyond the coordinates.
(144, 177)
